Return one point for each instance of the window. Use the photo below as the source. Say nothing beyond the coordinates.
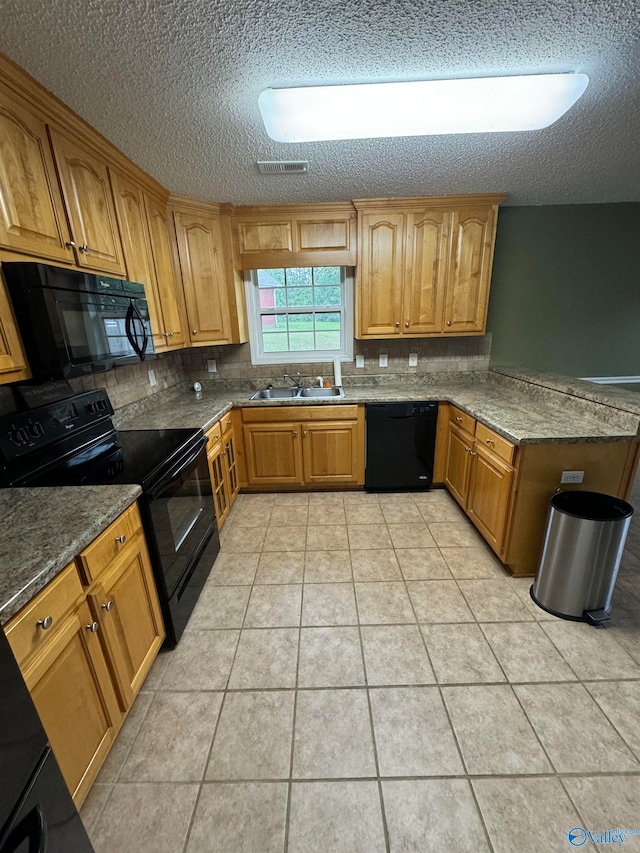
(300, 315)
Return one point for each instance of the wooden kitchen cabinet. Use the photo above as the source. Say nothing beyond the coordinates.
(223, 466)
(32, 217)
(13, 364)
(84, 652)
(458, 465)
(171, 314)
(306, 446)
(86, 191)
(424, 265)
(489, 498)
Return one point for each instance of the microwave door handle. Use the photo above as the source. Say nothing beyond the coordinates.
(129, 330)
(145, 338)
(32, 828)
(176, 472)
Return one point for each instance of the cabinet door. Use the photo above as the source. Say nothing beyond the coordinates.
(426, 274)
(136, 245)
(489, 494)
(332, 453)
(89, 204)
(203, 277)
(126, 605)
(380, 274)
(13, 364)
(219, 484)
(456, 477)
(231, 466)
(32, 216)
(472, 238)
(273, 454)
(163, 243)
(73, 693)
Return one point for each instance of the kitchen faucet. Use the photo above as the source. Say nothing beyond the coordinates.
(297, 381)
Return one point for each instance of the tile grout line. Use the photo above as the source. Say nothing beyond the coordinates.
(287, 819)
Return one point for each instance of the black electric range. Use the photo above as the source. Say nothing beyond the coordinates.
(74, 442)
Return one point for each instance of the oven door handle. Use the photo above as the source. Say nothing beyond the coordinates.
(179, 469)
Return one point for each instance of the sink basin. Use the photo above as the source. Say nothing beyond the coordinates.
(275, 394)
(322, 392)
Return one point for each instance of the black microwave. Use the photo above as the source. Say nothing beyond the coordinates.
(74, 323)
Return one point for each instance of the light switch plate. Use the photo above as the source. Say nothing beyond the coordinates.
(383, 360)
(212, 367)
(152, 377)
(413, 359)
(359, 361)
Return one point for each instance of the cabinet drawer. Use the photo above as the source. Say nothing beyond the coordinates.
(296, 414)
(225, 422)
(462, 419)
(53, 603)
(214, 434)
(110, 544)
(500, 446)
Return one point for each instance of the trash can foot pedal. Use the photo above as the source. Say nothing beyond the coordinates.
(597, 617)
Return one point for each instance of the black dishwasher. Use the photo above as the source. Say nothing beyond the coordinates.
(401, 443)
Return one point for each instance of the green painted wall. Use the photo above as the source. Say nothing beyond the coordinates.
(565, 294)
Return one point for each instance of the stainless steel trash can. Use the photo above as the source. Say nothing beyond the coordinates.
(582, 550)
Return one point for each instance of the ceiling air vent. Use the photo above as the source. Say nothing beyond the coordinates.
(283, 167)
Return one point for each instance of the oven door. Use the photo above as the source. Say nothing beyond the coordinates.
(180, 507)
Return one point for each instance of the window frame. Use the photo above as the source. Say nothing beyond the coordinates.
(255, 312)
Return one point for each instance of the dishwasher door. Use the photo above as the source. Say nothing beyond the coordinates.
(400, 448)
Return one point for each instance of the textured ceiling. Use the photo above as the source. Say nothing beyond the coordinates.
(175, 84)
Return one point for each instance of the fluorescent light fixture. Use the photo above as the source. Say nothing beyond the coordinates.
(478, 105)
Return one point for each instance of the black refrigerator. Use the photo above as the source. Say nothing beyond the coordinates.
(37, 814)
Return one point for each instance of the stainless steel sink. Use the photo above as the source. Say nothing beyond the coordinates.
(322, 392)
(275, 394)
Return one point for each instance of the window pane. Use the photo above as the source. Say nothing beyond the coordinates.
(300, 297)
(299, 277)
(326, 275)
(301, 341)
(327, 296)
(270, 278)
(300, 322)
(328, 340)
(275, 342)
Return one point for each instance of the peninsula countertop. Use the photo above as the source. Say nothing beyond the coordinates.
(43, 529)
(520, 414)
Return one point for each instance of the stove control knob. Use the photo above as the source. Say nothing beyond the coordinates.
(18, 436)
(35, 429)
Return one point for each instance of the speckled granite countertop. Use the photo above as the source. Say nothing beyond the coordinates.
(519, 415)
(42, 530)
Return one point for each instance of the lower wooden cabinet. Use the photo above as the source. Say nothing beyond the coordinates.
(458, 465)
(85, 651)
(322, 446)
(223, 467)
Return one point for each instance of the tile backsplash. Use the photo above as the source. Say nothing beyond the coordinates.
(435, 355)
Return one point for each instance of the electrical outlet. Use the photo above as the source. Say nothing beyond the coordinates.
(359, 361)
(212, 367)
(413, 359)
(152, 377)
(572, 477)
(383, 360)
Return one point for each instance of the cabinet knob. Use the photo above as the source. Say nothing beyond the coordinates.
(448, 322)
(45, 623)
(397, 325)
(170, 334)
(472, 453)
(304, 432)
(458, 419)
(467, 450)
(195, 331)
(406, 325)
(93, 627)
(121, 539)
(83, 248)
(70, 245)
(295, 432)
(489, 441)
(108, 606)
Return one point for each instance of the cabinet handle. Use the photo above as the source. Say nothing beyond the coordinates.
(108, 606)
(171, 334)
(467, 450)
(397, 325)
(458, 419)
(121, 539)
(471, 453)
(489, 441)
(448, 322)
(93, 627)
(84, 248)
(304, 432)
(45, 623)
(195, 332)
(295, 432)
(70, 245)
(406, 325)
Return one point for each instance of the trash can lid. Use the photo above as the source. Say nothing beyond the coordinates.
(592, 506)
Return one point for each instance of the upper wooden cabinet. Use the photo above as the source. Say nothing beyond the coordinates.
(170, 309)
(89, 203)
(424, 265)
(32, 219)
(302, 235)
(13, 365)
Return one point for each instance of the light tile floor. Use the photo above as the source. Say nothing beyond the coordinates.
(361, 675)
